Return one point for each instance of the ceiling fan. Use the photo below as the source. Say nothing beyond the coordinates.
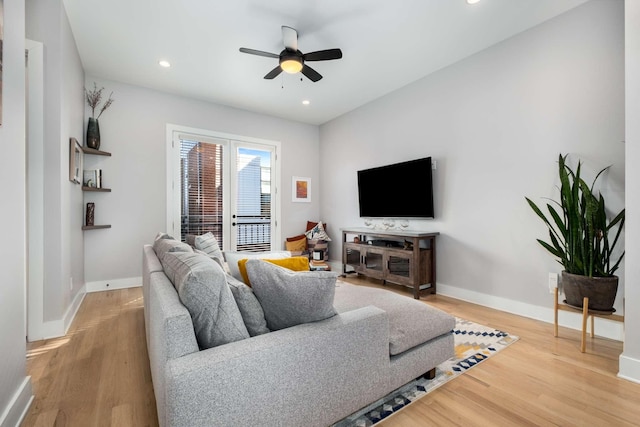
(291, 60)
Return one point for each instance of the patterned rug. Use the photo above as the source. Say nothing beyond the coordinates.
(474, 344)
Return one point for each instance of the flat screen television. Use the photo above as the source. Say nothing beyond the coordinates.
(400, 190)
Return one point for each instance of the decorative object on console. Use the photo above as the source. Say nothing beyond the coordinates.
(94, 97)
(90, 214)
(579, 237)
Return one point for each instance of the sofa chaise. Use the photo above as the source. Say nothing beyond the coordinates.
(312, 374)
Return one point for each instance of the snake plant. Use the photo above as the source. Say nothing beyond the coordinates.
(578, 229)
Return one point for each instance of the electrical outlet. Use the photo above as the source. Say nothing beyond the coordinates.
(434, 164)
(553, 282)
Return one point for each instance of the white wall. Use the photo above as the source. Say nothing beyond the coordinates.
(630, 359)
(133, 129)
(15, 386)
(46, 22)
(495, 122)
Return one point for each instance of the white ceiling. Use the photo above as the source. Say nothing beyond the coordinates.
(385, 45)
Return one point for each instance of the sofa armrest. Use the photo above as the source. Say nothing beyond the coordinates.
(310, 374)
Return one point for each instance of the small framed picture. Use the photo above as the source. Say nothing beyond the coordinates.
(301, 189)
(90, 178)
(75, 161)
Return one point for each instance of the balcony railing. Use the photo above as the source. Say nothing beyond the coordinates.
(253, 232)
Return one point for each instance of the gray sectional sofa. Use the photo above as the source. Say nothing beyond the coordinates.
(311, 374)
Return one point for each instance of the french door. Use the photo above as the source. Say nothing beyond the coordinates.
(226, 186)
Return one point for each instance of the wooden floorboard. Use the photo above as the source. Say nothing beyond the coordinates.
(98, 375)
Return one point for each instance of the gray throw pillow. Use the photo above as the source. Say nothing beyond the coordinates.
(162, 235)
(290, 298)
(164, 245)
(250, 308)
(214, 258)
(208, 244)
(203, 290)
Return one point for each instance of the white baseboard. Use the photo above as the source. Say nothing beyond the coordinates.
(58, 328)
(17, 409)
(603, 328)
(109, 285)
(629, 368)
(73, 308)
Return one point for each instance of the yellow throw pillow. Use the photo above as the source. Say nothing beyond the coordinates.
(298, 245)
(294, 263)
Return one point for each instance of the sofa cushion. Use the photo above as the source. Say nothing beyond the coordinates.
(162, 235)
(249, 307)
(294, 263)
(165, 244)
(290, 298)
(208, 244)
(296, 243)
(190, 239)
(216, 259)
(411, 322)
(232, 258)
(202, 286)
(318, 233)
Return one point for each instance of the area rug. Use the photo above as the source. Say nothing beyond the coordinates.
(474, 344)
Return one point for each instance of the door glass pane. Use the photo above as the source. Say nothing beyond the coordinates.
(253, 200)
(399, 266)
(201, 181)
(373, 261)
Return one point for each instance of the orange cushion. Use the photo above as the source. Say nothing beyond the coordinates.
(294, 263)
(297, 244)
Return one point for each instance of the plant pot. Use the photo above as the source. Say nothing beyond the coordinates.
(93, 134)
(601, 291)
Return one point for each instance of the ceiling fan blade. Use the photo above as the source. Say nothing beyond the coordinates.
(273, 73)
(290, 38)
(258, 52)
(311, 74)
(323, 55)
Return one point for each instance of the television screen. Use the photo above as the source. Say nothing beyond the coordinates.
(400, 190)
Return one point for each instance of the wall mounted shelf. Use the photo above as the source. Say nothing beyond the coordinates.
(94, 152)
(105, 190)
(94, 227)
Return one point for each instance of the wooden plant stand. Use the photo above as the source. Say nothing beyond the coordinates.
(586, 313)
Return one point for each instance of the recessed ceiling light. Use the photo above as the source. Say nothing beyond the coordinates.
(165, 64)
(472, 1)
(306, 102)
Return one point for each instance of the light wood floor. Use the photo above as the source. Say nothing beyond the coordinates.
(98, 375)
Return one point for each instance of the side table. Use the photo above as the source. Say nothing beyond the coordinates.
(586, 313)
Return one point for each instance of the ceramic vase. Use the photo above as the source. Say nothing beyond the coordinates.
(93, 134)
(90, 214)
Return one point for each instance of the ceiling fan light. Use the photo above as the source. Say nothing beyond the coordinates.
(291, 65)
